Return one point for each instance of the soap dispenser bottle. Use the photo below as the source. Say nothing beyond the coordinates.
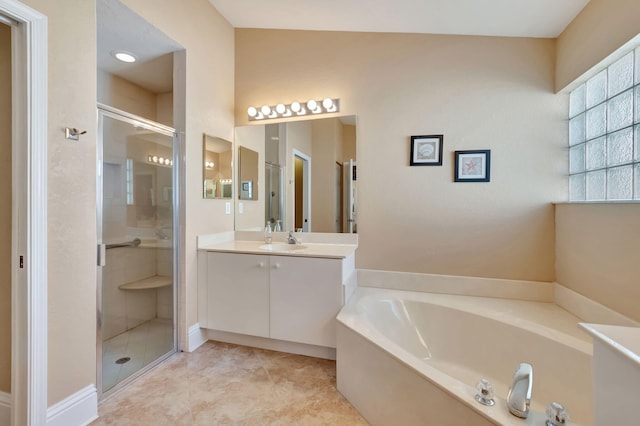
(268, 237)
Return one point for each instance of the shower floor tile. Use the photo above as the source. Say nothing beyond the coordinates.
(229, 384)
(143, 344)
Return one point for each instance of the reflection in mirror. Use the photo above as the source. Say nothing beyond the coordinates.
(308, 172)
(248, 170)
(216, 168)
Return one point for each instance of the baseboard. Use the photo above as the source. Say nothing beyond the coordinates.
(5, 409)
(272, 344)
(196, 337)
(81, 408)
(589, 310)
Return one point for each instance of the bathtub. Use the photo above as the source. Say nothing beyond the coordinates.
(411, 358)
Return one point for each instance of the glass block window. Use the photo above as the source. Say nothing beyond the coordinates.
(604, 134)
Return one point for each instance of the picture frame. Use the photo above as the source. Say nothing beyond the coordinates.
(472, 166)
(426, 150)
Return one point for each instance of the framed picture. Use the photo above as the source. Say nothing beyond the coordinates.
(426, 150)
(472, 166)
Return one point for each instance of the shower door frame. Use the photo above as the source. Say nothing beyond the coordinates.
(105, 111)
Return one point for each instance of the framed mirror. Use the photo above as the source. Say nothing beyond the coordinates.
(248, 173)
(307, 172)
(217, 171)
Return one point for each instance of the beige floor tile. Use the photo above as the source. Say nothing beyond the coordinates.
(224, 384)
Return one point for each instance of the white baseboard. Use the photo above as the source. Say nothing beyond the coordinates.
(272, 344)
(5, 409)
(196, 337)
(589, 310)
(81, 408)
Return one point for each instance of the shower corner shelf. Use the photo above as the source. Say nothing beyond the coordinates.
(157, 281)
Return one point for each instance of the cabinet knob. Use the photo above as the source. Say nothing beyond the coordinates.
(261, 265)
(276, 266)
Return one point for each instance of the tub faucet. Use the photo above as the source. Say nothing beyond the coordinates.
(292, 239)
(519, 395)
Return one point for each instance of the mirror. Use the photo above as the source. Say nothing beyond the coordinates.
(306, 175)
(248, 171)
(216, 168)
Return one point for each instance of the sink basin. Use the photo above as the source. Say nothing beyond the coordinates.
(282, 247)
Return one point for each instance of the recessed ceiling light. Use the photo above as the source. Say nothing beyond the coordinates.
(123, 56)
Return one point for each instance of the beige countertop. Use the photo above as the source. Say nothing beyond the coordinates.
(279, 248)
(315, 246)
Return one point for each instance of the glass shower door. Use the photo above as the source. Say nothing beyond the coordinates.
(136, 296)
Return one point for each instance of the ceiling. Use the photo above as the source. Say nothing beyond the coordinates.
(119, 28)
(512, 18)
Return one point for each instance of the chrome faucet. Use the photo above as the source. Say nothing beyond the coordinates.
(519, 395)
(292, 239)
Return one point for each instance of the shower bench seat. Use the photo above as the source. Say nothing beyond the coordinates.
(157, 281)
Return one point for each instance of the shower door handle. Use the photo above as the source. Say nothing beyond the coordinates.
(102, 254)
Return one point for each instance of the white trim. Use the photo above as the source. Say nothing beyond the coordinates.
(29, 285)
(272, 344)
(306, 194)
(197, 337)
(589, 310)
(5, 409)
(80, 408)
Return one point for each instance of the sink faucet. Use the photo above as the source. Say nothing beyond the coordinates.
(161, 234)
(291, 239)
(519, 395)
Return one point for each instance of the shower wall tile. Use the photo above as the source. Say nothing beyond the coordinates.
(140, 306)
(165, 303)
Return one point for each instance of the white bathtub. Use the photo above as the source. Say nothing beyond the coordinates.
(406, 358)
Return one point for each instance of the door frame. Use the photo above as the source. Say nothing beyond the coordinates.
(29, 214)
(106, 111)
(306, 191)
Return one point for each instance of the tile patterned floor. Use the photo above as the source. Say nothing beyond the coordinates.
(224, 384)
(143, 344)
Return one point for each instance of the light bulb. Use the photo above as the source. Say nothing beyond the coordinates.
(155, 158)
(252, 111)
(327, 103)
(266, 110)
(124, 56)
(280, 108)
(295, 107)
(312, 105)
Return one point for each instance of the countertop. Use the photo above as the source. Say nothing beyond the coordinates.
(331, 246)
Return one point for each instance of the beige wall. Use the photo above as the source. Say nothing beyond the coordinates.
(348, 143)
(326, 137)
(72, 195)
(601, 28)
(208, 39)
(597, 253)
(480, 92)
(5, 209)
(209, 42)
(596, 243)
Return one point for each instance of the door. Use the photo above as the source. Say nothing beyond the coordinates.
(136, 216)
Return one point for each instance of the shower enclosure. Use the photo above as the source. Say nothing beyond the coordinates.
(274, 201)
(137, 216)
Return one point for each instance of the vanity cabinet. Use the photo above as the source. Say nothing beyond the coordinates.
(238, 293)
(290, 298)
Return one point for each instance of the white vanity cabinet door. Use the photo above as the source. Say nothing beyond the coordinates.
(238, 293)
(306, 296)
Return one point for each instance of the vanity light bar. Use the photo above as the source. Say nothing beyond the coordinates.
(294, 109)
(154, 159)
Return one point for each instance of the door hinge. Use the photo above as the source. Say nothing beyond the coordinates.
(21, 262)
